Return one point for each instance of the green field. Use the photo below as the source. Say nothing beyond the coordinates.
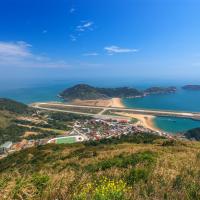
(67, 140)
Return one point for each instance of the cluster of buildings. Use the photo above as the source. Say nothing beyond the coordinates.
(97, 129)
(94, 129)
(10, 147)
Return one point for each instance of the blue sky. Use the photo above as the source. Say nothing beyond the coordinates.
(121, 39)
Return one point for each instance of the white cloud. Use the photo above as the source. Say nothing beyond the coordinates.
(20, 49)
(72, 10)
(84, 26)
(87, 64)
(81, 28)
(44, 31)
(73, 38)
(18, 54)
(91, 54)
(115, 49)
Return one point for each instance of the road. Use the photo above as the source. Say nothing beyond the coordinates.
(44, 106)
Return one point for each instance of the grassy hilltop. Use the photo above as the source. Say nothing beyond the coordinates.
(134, 167)
(140, 166)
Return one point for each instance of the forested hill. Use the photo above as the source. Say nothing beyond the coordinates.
(84, 91)
(160, 90)
(13, 106)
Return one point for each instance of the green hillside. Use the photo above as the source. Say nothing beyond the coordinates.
(135, 167)
(84, 91)
(13, 106)
(193, 134)
(9, 111)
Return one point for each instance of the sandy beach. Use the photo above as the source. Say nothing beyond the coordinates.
(117, 103)
(143, 120)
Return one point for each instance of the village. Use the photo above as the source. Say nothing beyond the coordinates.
(83, 130)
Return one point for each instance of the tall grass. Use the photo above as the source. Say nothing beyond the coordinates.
(123, 171)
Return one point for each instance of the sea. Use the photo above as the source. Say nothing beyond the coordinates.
(29, 91)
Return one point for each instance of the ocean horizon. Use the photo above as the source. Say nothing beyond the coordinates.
(48, 90)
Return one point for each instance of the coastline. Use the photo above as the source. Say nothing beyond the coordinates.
(143, 120)
(117, 103)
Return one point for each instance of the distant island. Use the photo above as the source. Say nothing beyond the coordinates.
(191, 87)
(160, 90)
(87, 92)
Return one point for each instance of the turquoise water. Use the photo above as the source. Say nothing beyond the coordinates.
(29, 91)
(35, 94)
(175, 125)
(48, 91)
(182, 100)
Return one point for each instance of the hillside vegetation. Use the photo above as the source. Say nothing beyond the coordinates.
(133, 167)
(9, 110)
(85, 92)
(160, 90)
(13, 126)
(14, 106)
(193, 134)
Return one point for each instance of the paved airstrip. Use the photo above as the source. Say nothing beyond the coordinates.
(60, 107)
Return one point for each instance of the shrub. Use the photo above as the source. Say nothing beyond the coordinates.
(136, 175)
(40, 182)
(146, 158)
(4, 181)
(105, 189)
(193, 134)
(71, 165)
(82, 153)
(22, 189)
(193, 191)
(188, 183)
(178, 182)
(136, 138)
(169, 143)
(198, 156)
